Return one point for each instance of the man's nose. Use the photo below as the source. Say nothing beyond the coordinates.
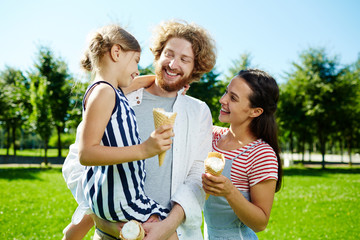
(173, 63)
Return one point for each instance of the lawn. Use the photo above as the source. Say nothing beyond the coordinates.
(313, 204)
(35, 152)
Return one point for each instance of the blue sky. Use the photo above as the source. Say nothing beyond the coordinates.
(273, 32)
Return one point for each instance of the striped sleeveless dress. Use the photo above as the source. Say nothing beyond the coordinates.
(116, 192)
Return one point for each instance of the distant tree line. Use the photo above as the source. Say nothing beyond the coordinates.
(318, 110)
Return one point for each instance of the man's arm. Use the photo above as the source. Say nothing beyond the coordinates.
(190, 195)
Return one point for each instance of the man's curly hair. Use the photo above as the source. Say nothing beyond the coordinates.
(202, 44)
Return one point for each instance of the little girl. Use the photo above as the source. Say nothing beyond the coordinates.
(107, 141)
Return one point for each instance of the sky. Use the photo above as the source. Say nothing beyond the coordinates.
(273, 32)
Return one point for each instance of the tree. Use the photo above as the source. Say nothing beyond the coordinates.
(59, 88)
(244, 62)
(149, 70)
(75, 110)
(347, 113)
(209, 89)
(41, 114)
(14, 102)
(319, 73)
(291, 114)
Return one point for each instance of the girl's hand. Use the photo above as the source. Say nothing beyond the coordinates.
(186, 88)
(159, 141)
(139, 82)
(217, 185)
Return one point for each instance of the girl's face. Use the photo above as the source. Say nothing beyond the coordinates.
(128, 67)
(235, 104)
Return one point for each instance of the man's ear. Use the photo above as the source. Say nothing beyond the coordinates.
(256, 112)
(115, 52)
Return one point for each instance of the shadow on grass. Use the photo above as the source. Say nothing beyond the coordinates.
(305, 171)
(24, 173)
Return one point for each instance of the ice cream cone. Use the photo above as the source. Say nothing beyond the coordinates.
(132, 230)
(214, 164)
(162, 118)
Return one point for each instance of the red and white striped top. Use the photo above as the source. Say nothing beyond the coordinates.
(257, 164)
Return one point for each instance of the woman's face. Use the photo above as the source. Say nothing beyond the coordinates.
(235, 104)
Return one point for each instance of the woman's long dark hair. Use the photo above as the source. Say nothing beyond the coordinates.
(265, 94)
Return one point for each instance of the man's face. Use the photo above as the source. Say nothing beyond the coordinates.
(175, 65)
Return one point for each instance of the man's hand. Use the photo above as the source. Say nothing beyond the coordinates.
(165, 229)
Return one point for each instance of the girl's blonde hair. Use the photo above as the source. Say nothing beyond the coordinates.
(202, 44)
(103, 40)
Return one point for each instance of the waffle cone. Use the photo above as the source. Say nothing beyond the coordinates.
(141, 233)
(162, 119)
(209, 169)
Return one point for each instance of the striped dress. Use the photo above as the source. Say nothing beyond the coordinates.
(116, 192)
(257, 161)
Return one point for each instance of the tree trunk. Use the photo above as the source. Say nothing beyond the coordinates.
(45, 156)
(58, 128)
(322, 147)
(349, 150)
(13, 133)
(303, 150)
(342, 150)
(8, 141)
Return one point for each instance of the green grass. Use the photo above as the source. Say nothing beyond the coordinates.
(34, 204)
(313, 204)
(316, 204)
(35, 152)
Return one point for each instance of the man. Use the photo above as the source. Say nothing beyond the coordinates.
(183, 52)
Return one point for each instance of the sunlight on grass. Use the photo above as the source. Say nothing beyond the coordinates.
(35, 152)
(35, 204)
(313, 204)
(319, 205)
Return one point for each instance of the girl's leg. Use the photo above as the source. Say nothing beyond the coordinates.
(79, 231)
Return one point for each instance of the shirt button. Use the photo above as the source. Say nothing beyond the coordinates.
(138, 102)
(137, 97)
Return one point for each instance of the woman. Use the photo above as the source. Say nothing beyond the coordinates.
(241, 198)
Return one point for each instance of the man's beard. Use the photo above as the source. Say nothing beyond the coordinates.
(170, 87)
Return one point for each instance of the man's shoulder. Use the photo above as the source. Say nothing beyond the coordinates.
(194, 101)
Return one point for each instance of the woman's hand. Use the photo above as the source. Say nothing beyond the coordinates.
(217, 185)
(139, 82)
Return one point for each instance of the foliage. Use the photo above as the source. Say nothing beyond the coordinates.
(149, 70)
(58, 87)
(14, 102)
(41, 114)
(242, 63)
(75, 109)
(318, 108)
(312, 99)
(209, 89)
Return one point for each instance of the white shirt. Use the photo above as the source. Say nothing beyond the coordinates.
(191, 144)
